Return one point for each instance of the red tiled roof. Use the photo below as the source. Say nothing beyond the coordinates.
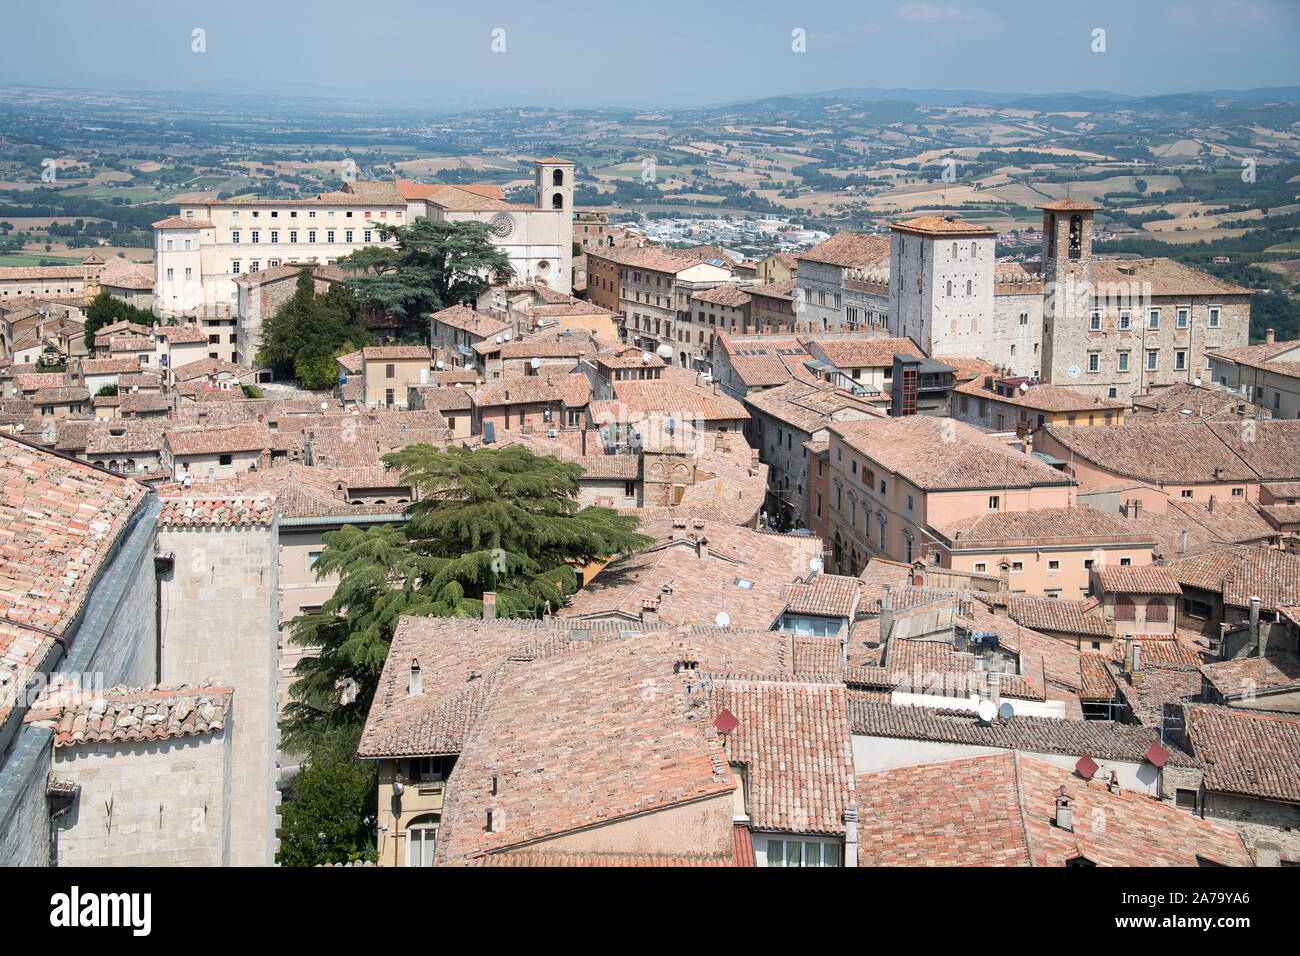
(126, 714)
(1247, 753)
(1119, 579)
(998, 810)
(795, 744)
(943, 454)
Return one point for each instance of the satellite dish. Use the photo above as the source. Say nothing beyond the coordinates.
(816, 564)
(1024, 386)
(20, 427)
(324, 405)
(536, 362)
(723, 619)
(439, 363)
(645, 357)
(498, 340)
(1006, 711)
(987, 711)
(135, 388)
(508, 335)
(1197, 380)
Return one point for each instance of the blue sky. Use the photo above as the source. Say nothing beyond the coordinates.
(636, 53)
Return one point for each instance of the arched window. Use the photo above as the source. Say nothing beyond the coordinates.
(1157, 610)
(1124, 610)
(557, 201)
(972, 250)
(422, 839)
(954, 250)
(950, 287)
(557, 178)
(968, 286)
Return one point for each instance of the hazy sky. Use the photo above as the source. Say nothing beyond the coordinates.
(636, 53)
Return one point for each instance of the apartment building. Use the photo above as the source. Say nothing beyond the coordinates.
(655, 289)
(388, 371)
(842, 284)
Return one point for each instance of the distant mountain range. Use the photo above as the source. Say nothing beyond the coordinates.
(1086, 100)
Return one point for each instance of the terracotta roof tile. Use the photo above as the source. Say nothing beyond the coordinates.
(128, 714)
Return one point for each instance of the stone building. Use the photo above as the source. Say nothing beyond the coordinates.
(1115, 328)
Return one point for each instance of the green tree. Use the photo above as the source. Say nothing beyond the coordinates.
(309, 330)
(328, 815)
(436, 264)
(106, 391)
(491, 519)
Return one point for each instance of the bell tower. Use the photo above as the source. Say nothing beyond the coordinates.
(553, 184)
(1067, 241)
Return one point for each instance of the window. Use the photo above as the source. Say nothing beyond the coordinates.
(1094, 362)
(1125, 562)
(993, 502)
(1125, 610)
(312, 558)
(311, 234)
(1182, 318)
(225, 459)
(629, 489)
(981, 566)
(1017, 566)
(234, 237)
(1123, 361)
(329, 234)
(1195, 608)
(390, 371)
(1153, 319)
(1214, 318)
(275, 235)
(1180, 360)
(1187, 492)
(799, 853)
(1053, 565)
(388, 397)
(1157, 610)
(1238, 492)
(1125, 321)
(421, 840)
(234, 266)
(366, 234)
(1185, 799)
(293, 235)
(909, 502)
(1152, 359)
(257, 237)
(347, 235)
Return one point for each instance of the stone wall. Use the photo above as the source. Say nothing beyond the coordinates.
(220, 620)
(147, 803)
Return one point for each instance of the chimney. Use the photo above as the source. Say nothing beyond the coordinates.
(886, 611)
(415, 686)
(851, 833)
(1183, 549)
(1211, 504)
(1270, 336)
(489, 605)
(702, 546)
(1064, 812)
(1113, 783)
(1254, 624)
